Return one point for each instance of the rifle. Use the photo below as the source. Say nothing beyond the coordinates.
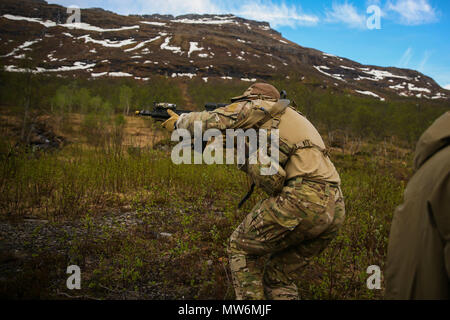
(159, 111)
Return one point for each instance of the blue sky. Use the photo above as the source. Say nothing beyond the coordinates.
(414, 34)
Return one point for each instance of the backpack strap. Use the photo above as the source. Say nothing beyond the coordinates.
(276, 120)
(308, 144)
(274, 113)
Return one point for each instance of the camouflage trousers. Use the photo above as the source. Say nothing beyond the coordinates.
(292, 228)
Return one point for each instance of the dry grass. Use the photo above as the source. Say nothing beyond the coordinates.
(86, 185)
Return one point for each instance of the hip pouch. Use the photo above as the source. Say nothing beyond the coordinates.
(267, 168)
(271, 183)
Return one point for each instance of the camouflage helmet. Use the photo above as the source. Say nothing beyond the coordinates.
(259, 90)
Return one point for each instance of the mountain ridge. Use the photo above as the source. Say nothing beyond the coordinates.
(35, 36)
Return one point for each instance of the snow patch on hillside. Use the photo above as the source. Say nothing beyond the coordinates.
(119, 74)
(368, 93)
(381, 74)
(46, 23)
(438, 96)
(108, 43)
(190, 75)
(142, 44)
(412, 87)
(166, 46)
(99, 74)
(88, 27)
(398, 86)
(326, 55)
(76, 66)
(193, 46)
(80, 25)
(154, 23)
(26, 44)
(335, 76)
(112, 74)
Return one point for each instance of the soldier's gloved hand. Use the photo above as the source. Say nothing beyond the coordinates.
(169, 124)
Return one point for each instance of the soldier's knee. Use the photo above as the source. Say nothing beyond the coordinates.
(278, 285)
(287, 292)
(273, 275)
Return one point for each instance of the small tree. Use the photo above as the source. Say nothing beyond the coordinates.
(95, 104)
(30, 93)
(125, 97)
(82, 98)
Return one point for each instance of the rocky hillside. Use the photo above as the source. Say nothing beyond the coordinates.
(36, 36)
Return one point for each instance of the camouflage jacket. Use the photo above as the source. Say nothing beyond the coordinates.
(294, 128)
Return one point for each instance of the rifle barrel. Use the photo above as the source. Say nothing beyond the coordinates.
(161, 114)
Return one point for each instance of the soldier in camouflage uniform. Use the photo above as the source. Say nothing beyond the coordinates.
(300, 218)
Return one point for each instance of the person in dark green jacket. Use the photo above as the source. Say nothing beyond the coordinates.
(418, 259)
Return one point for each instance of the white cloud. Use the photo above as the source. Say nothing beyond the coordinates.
(346, 13)
(277, 14)
(174, 7)
(447, 86)
(406, 58)
(413, 12)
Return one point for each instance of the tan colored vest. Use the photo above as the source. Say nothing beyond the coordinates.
(310, 159)
(302, 150)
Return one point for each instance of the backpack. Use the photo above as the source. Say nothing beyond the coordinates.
(270, 120)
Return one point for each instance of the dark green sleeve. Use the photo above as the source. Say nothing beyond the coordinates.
(440, 206)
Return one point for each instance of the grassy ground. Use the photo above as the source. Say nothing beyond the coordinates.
(141, 227)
